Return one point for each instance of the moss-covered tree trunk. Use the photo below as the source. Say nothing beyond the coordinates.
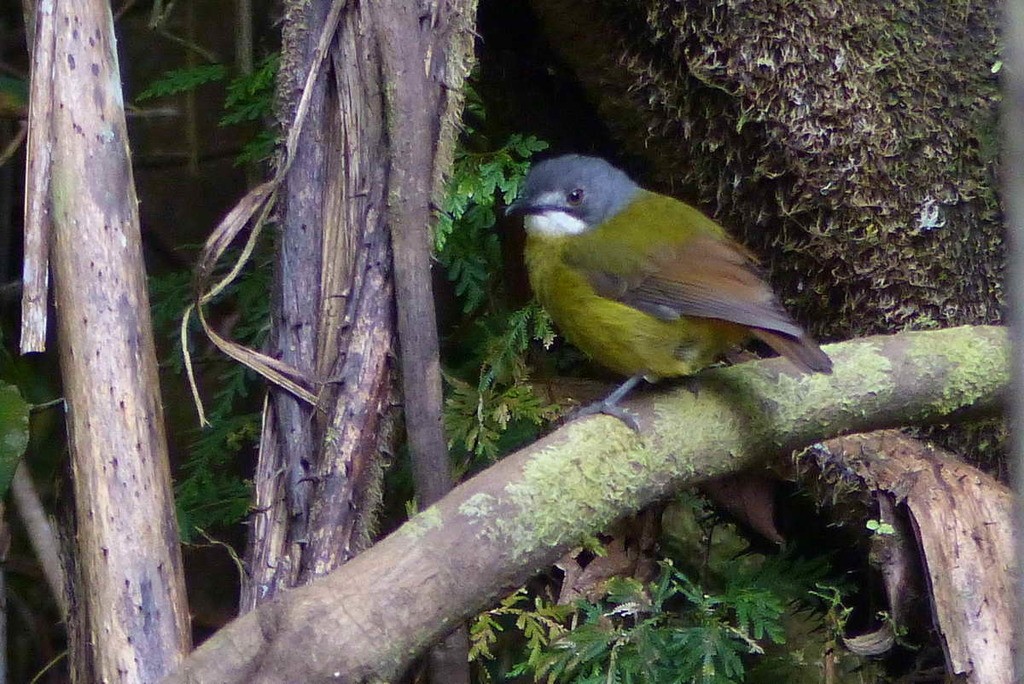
(852, 144)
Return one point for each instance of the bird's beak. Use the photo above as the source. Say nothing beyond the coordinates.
(520, 206)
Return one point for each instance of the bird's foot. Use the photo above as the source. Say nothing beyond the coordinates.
(609, 409)
(609, 406)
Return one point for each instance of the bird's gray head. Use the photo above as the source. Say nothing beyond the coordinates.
(571, 194)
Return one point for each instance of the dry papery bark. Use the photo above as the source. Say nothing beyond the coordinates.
(372, 94)
(958, 524)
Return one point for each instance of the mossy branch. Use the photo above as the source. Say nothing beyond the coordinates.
(367, 620)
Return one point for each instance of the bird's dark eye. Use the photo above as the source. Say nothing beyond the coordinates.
(575, 197)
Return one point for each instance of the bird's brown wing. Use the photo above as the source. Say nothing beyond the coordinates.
(709, 277)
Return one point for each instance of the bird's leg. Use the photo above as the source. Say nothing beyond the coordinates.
(610, 404)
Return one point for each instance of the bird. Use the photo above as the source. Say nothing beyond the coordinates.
(644, 284)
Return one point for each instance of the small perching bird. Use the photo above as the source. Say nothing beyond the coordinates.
(644, 284)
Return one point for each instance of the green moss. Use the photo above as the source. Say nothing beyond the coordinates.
(864, 367)
(716, 408)
(735, 401)
(332, 436)
(422, 523)
(479, 505)
(969, 360)
(563, 491)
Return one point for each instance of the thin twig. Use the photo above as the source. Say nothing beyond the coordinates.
(244, 58)
(38, 158)
(15, 143)
(49, 666)
(40, 534)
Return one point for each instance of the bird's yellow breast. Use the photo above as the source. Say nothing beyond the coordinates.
(623, 339)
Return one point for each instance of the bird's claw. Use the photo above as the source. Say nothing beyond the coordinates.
(608, 409)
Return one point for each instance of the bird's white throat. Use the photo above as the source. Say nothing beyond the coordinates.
(554, 223)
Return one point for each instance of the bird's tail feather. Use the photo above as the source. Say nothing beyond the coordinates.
(802, 351)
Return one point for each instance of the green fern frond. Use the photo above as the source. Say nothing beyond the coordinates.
(182, 80)
(250, 96)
